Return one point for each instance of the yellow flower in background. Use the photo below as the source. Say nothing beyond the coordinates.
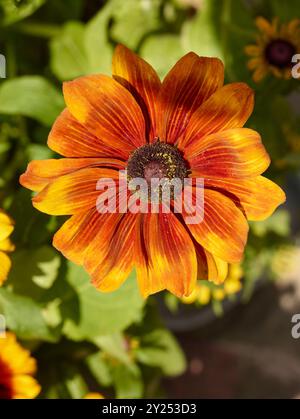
(94, 396)
(16, 370)
(6, 228)
(233, 283)
(203, 294)
(275, 46)
(285, 261)
(218, 294)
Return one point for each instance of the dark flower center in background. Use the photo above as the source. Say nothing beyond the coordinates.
(157, 161)
(5, 382)
(279, 53)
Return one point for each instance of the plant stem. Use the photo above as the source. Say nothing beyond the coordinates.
(38, 29)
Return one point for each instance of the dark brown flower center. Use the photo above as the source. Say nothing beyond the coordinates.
(279, 53)
(157, 160)
(155, 170)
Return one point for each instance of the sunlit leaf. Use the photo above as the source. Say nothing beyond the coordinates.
(100, 313)
(100, 368)
(14, 10)
(162, 52)
(115, 346)
(37, 266)
(68, 56)
(31, 96)
(128, 382)
(98, 49)
(24, 317)
(199, 34)
(133, 19)
(159, 348)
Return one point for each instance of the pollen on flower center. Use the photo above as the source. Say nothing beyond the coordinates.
(157, 161)
(279, 53)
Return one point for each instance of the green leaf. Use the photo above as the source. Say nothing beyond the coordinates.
(60, 379)
(82, 49)
(34, 267)
(14, 10)
(60, 11)
(159, 348)
(99, 313)
(133, 19)
(115, 346)
(25, 318)
(100, 369)
(162, 52)
(52, 313)
(39, 152)
(128, 382)
(98, 49)
(68, 55)
(74, 382)
(31, 96)
(278, 223)
(199, 34)
(38, 226)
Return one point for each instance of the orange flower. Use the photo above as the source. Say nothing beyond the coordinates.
(189, 125)
(16, 370)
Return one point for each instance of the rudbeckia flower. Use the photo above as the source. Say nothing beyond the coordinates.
(189, 125)
(16, 370)
(94, 396)
(6, 228)
(276, 44)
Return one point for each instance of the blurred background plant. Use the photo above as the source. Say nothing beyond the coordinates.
(117, 344)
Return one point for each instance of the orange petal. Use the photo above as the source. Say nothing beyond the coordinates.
(258, 197)
(189, 83)
(71, 139)
(114, 253)
(210, 267)
(107, 110)
(141, 80)
(76, 234)
(223, 230)
(71, 193)
(266, 27)
(260, 73)
(236, 153)
(217, 268)
(165, 255)
(253, 50)
(41, 172)
(255, 63)
(230, 107)
(74, 239)
(202, 272)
